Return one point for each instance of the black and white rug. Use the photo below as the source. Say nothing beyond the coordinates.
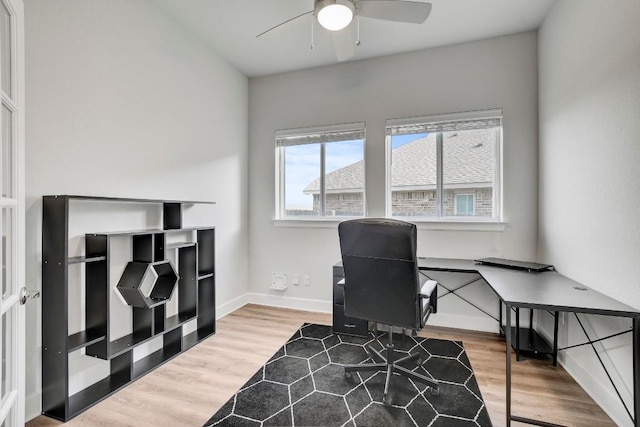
(303, 384)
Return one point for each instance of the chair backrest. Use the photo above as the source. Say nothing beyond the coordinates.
(381, 271)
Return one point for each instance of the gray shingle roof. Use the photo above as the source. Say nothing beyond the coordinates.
(467, 157)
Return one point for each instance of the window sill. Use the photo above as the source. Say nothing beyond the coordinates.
(422, 224)
(308, 223)
(459, 225)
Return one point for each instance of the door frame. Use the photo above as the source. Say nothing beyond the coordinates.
(14, 101)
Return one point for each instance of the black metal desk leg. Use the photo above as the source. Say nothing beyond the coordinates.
(517, 333)
(555, 338)
(500, 316)
(636, 371)
(507, 332)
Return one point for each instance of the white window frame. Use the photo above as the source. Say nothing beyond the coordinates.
(320, 134)
(444, 121)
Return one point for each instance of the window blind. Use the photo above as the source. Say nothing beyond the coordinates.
(314, 135)
(445, 122)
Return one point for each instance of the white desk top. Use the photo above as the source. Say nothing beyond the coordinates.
(547, 290)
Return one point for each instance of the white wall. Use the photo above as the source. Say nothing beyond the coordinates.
(589, 55)
(493, 73)
(122, 101)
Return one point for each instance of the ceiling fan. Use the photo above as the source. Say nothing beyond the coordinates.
(336, 15)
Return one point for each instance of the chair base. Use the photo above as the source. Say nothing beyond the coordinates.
(390, 362)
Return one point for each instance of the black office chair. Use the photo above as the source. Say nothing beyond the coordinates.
(383, 285)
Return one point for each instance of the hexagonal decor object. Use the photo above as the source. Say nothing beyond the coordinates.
(147, 284)
(303, 384)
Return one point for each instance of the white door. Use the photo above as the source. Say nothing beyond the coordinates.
(12, 320)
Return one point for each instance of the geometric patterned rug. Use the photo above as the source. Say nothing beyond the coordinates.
(303, 384)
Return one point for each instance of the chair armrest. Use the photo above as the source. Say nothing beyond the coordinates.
(427, 288)
(428, 297)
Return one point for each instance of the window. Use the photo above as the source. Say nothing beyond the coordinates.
(445, 167)
(320, 172)
(465, 204)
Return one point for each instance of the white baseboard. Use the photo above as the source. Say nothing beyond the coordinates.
(231, 306)
(460, 321)
(608, 401)
(439, 319)
(306, 304)
(32, 406)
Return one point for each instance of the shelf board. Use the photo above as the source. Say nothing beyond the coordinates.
(127, 342)
(177, 230)
(179, 245)
(84, 338)
(143, 232)
(176, 321)
(203, 275)
(86, 398)
(131, 200)
(531, 343)
(196, 336)
(81, 259)
(128, 232)
(152, 361)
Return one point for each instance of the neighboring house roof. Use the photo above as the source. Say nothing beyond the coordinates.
(465, 155)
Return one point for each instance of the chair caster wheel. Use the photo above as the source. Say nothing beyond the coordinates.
(386, 401)
(434, 391)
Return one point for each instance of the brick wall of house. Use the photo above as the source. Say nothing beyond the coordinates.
(341, 204)
(414, 203)
(410, 203)
(423, 203)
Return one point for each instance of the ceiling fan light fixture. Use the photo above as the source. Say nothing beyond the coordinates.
(334, 15)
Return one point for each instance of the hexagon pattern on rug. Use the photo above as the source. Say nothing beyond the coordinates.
(303, 384)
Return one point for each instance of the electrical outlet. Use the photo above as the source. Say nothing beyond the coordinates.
(278, 281)
(295, 279)
(305, 281)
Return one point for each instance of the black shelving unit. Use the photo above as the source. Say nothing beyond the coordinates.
(195, 293)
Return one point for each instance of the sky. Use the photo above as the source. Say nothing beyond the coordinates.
(302, 165)
(399, 140)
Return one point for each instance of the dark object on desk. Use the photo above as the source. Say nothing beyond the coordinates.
(383, 285)
(532, 267)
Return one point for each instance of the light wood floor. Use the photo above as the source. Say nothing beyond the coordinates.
(188, 390)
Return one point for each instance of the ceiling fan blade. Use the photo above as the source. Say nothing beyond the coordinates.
(343, 44)
(412, 12)
(285, 22)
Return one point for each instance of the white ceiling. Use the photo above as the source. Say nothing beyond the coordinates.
(230, 28)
